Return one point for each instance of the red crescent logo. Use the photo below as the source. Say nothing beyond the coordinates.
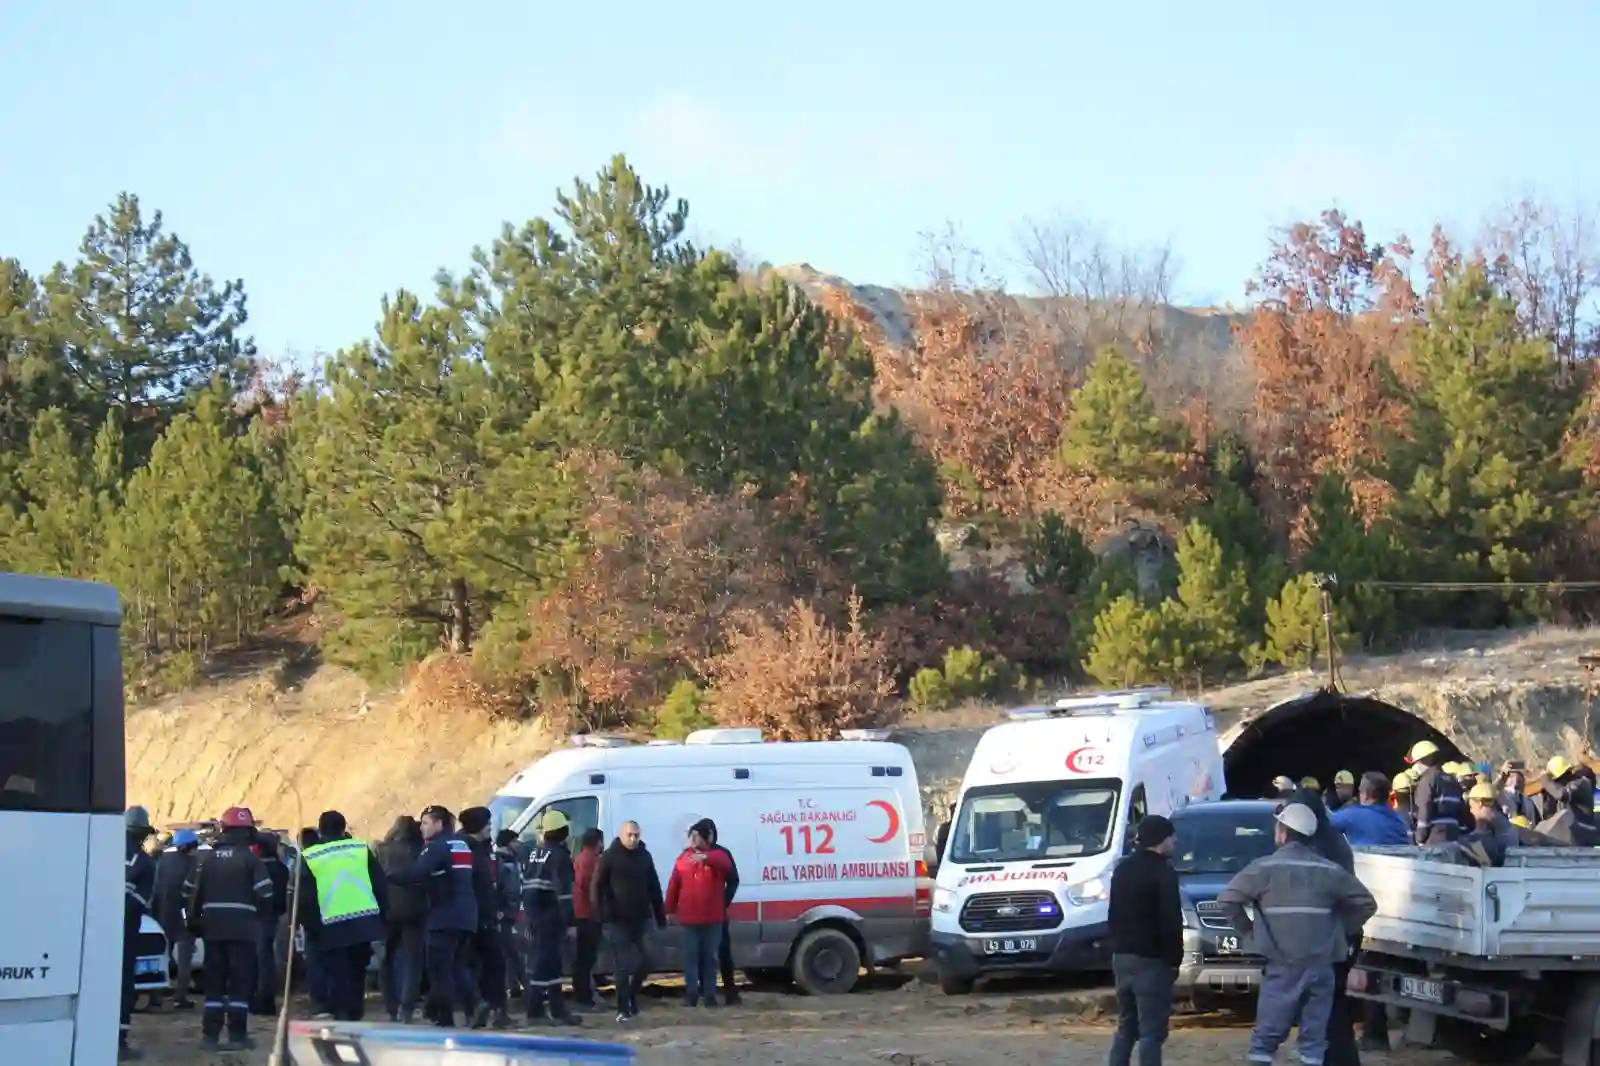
(894, 821)
(1085, 760)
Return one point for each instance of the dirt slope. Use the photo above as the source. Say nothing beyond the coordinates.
(371, 754)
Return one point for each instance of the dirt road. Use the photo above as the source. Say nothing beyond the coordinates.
(911, 1026)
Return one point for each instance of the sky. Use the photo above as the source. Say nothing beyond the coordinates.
(328, 153)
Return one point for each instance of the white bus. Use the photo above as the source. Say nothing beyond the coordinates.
(61, 825)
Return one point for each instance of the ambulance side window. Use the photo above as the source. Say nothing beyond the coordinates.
(583, 813)
(1137, 809)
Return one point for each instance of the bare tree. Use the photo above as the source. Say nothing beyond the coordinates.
(1548, 258)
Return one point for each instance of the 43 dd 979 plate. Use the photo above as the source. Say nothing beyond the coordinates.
(1010, 945)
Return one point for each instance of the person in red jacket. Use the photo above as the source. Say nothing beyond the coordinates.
(695, 897)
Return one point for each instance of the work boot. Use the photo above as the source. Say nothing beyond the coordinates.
(128, 1053)
(480, 1016)
(501, 1020)
(732, 998)
(210, 1041)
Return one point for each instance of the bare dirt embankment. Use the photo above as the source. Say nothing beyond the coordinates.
(375, 753)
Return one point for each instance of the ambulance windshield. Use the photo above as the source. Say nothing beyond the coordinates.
(1034, 820)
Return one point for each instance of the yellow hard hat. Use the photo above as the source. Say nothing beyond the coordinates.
(1558, 765)
(1519, 820)
(1483, 792)
(552, 820)
(1344, 777)
(1404, 781)
(1421, 750)
(1309, 782)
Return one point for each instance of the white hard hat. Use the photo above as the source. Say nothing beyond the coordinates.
(1299, 817)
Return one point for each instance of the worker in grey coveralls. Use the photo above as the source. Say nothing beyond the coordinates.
(1307, 909)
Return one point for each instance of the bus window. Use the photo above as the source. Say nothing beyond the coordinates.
(46, 715)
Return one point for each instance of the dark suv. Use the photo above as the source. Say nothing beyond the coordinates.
(1215, 841)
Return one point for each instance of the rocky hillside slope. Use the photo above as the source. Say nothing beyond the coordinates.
(292, 747)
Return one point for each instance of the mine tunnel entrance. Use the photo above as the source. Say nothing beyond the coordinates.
(1321, 733)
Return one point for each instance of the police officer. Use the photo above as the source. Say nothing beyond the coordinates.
(227, 892)
(345, 898)
(445, 869)
(138, 883)
(547, 881)
(1437, 796)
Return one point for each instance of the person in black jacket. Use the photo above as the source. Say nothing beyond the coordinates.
(730, 888)
(1146, 942)
(626, 894)
(444, 868)
(139, 884)
(489, 964)
(268, 981)
(510, 857)
(172, 873)
(401, 975)
(227, 892)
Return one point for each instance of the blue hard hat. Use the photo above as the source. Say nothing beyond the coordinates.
(184, 838)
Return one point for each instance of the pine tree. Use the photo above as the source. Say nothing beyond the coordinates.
(63, 500)
(1128, 645)
(1115, 432)
(1484, 488)
(419, 513)
(1296, 632)
(607, 329)
(1342, 545)
(1206, 621)
(141, 329)
(32, 377)
(194, 549)
(1234, 516)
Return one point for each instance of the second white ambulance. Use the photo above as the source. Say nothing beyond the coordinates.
(1047, 806)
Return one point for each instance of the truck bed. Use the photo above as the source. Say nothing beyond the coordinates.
(1543, 903)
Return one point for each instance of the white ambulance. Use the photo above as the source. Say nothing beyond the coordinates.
(828, 837)
(1047, 807)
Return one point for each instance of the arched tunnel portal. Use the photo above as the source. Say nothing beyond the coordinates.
(1318, 734)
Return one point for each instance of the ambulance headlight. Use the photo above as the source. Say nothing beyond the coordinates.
(944, 900)
(1086, 892)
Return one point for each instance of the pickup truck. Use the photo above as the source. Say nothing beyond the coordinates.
(1489, 962)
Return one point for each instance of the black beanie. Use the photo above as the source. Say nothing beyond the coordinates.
(331, 826)
(475, 819)
(1153, 829)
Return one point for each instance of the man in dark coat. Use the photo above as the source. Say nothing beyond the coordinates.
(138, 883)
(626, 894)
(268, 980)
(730, 990)
(488, 962)
(445, 869)
(172, 873)
(403, 954)
(547, 882)
(344, 894)
(226, 893)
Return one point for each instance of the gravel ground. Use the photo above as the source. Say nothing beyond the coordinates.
(910, 1026)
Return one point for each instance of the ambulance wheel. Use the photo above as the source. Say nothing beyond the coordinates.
(1487, 1047)
(826, 962)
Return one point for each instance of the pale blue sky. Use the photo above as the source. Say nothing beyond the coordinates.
(327, 153)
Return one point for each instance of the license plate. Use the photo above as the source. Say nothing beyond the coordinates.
(1417, 988)
(1009, 945)
(1227, 945)
(149, 966)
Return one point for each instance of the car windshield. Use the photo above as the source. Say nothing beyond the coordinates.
(1035, 820)
(1219, 843)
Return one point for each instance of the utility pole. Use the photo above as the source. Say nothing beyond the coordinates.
(1326, 583)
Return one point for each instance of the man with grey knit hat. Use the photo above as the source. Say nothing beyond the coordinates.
(1306, 910)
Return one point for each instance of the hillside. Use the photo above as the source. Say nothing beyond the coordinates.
(376, 753)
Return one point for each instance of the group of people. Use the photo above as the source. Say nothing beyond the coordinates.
(469, 920)
(1303, 909)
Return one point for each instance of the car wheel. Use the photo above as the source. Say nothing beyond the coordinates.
(951, 985)
(826, 962)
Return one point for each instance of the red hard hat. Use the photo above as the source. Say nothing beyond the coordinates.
(238, 818)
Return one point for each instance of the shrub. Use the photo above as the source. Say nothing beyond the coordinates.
(1205, 622)
(1057, 556)
(929, 691)
(1296, 633)
(1128, 647)
(683, 711)
(803, 679)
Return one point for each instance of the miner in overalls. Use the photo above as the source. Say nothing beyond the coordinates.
(547, 881)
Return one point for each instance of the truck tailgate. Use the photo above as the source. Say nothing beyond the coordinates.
(1541, 903)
